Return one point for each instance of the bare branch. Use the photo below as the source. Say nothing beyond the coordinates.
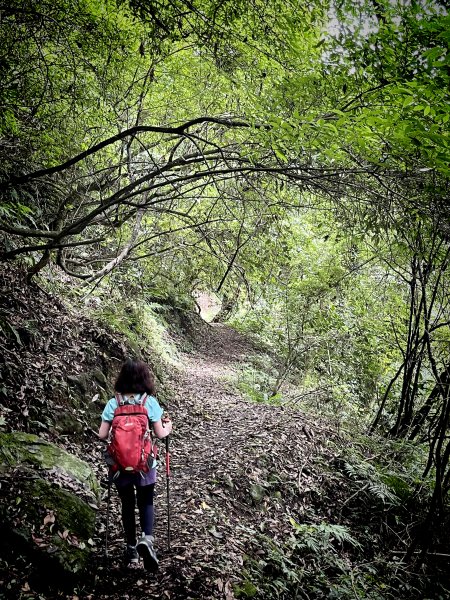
(180, 130)
(125, 251)
(24, 249)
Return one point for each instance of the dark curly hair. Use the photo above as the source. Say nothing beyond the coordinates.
(135, 376)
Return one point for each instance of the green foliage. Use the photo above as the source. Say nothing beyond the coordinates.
(325, 315)
(398, 486)
(256, 384)
(392, 63)
(370, 479)
(386, 475)
(319, 538)
(142, 324)
(245, 590)
(77, 52)
(316, 559)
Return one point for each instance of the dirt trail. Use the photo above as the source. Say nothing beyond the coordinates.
(229, 477)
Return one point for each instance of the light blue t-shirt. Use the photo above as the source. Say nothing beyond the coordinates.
(151, 404)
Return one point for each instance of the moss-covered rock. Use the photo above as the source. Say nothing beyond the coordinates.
(68, 423)
(100, 377)
(85, 385)
(49, 524)
(20, 448)
(49, 506)
(81, 381)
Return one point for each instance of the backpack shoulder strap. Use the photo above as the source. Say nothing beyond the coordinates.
(143, 398)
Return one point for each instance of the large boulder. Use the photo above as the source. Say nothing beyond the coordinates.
(48, 507)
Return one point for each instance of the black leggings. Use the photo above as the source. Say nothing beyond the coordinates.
(144, 494)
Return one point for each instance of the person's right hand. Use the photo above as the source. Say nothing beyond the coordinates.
(167, 422)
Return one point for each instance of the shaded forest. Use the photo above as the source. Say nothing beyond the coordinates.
(253, 197)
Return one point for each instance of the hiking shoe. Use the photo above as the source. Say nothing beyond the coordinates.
(131, 555)
(147, 553)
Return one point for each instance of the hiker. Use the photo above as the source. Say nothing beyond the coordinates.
(135, 386)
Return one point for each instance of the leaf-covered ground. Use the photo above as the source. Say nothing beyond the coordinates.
(239, 469)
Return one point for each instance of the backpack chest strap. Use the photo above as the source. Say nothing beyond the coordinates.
(122, 402)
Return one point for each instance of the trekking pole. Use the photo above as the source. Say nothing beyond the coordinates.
(108, 502)
(167, 487)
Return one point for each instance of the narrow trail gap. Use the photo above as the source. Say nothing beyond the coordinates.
(221, 448)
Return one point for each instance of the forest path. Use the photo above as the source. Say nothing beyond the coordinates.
(234, 463)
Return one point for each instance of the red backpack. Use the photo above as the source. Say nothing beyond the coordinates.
(131, 447)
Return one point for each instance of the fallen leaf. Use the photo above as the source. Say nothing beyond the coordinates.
(64, 534)
(213, 531)
(229, 595)
(37, 540)
(49, 518)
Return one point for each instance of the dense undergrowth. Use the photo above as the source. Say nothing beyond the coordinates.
(324, 511)
(351, 538)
